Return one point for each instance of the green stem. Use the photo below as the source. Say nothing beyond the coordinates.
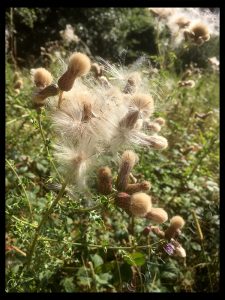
(109, 247)
(207, 265)
(23, 188)
(43, 220)
(45, 143)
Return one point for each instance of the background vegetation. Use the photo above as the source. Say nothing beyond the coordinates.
(94, 250)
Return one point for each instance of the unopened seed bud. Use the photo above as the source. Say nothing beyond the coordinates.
(146, 230)
(105, 180)
(128, 160)
(123, 201)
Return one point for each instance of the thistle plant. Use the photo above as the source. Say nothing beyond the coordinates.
(95, 121)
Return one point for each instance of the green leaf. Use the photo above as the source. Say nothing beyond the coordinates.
(196, 246)
(97, 260)
(135, 259)
(68, 284)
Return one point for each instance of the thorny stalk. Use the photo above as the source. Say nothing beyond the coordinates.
(22, 187)
(43, 220)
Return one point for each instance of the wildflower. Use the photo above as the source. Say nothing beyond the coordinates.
(140, 204)
(176, 223)
(41, 77)
(169, 248)
(157, 215)
(105, 180)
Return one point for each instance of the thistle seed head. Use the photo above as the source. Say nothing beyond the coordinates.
(138, 187)
(96, 69)
(182, 21)
(153, 126)
(160, 121)
(128, 160)
(132, 82)
(51, 90)
(129, 120)
(18, 84)
(79, 65)
(158, 215)
(123, 201)
(140, 204)
(41, 77)
(105, 180)
(144, 103)
(176, 223)
(157, 142)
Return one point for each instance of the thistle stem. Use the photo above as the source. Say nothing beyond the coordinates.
(43, 220)
(22, 187)
(60, 99)
(45, 143)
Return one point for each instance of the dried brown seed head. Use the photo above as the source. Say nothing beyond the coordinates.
(158, 215)
(157, 142)
(123, 201)
(79, 65)
(132, 82)
(160, 121)
(18, 84)
(140, 204)
(128, 160)
(105, 180)
(41, 77)
(153, 126)
(144, 103)
(138, 187)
